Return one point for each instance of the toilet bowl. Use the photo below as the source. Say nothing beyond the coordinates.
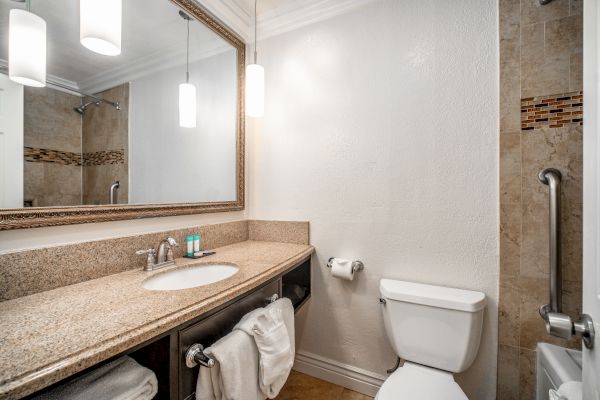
(437, 331)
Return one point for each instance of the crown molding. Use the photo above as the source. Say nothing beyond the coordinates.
(294, 15)
(145, 66)
(290, 15)
(69, 86)
(230, 13)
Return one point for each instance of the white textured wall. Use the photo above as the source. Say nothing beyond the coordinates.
(381, 129)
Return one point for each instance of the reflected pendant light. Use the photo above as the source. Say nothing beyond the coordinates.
(27, 48)
(187, 91)
(100, 26)
(255, 82)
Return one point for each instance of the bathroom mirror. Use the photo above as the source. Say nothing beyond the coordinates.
(153, 131)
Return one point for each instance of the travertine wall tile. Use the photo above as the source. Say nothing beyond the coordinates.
(510, 240)
(549, 68)
(106, 130)
(510, 168)
(532, 11)
(508, 373)
(527, 372)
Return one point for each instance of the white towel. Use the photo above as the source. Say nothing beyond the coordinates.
(235, 374)
(568, 391)
(273, 330)
(122, 379)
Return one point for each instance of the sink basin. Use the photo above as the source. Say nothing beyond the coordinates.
(190, 277)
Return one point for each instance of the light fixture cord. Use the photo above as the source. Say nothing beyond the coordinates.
(187, 56)
(255, 25)
(28, 5)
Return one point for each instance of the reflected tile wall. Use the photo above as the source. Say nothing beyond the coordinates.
(105, 148)
(540, 55)
(50, 123)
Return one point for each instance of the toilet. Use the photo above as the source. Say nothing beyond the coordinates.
(437, 331)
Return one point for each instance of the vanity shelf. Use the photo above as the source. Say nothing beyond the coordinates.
(165, 354)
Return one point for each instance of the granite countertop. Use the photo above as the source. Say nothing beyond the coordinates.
(48, 336)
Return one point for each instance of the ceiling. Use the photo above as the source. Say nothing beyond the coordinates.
(153, 36)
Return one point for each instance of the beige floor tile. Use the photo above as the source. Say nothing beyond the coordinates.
(301, 387)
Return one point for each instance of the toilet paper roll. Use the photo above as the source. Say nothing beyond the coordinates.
(341, 268)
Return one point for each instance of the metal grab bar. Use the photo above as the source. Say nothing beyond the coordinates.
(112, 193)
(557, 323)
(552, 177)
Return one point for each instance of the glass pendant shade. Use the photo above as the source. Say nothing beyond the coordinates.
(255, 90)
(27, 48)
(187, 105)
(100, 26)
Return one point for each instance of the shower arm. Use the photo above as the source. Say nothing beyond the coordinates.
(115, 104)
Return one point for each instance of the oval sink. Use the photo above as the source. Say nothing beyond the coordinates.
(190, 277)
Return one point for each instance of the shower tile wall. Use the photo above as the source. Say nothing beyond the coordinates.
(52, 140)
(540, 58)
(105, 144)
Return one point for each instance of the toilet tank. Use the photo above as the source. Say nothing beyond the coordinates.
(430, 325)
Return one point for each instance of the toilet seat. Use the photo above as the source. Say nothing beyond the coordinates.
(417, 382)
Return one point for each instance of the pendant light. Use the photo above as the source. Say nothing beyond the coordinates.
(187, 91)
(255, 82)
(27, 48)
(100, 24)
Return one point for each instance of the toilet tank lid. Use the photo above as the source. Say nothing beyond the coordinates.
(431, 295)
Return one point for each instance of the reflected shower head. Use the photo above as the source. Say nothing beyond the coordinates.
(82, 107)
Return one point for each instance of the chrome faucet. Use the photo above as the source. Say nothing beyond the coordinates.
(160, 257)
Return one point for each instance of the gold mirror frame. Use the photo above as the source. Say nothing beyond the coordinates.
(36, 217)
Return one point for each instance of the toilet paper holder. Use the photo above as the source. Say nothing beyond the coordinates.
(356, 265)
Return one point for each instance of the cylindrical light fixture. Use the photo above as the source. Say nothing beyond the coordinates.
(187, 91)
(27, 48)
(255, 90)
(187, 105)
(100, 26)
(255, 82)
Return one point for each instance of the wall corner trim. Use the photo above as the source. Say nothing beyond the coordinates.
(348, 376)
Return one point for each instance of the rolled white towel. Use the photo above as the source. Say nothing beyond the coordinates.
(235, 374)
(273, 330)
(122, 379)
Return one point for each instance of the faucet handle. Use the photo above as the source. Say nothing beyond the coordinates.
(172, 242)
(151, 253)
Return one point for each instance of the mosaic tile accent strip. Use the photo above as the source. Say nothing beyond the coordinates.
(104, 157)
(552, 111)
(32, 154)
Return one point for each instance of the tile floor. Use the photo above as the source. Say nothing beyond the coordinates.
(302, 387)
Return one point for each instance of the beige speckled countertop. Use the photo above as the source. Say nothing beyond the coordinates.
(51, 335)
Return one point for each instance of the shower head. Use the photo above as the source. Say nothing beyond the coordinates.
(82, 107)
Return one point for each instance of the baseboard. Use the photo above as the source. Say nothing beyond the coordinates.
(349, 376)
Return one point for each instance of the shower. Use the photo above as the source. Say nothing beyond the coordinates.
(81, 109)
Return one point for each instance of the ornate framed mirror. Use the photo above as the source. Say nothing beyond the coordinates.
(157, 130)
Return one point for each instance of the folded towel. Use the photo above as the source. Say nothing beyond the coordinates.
(122, 379)
(273, 330)
(571, 390)
(235, 374)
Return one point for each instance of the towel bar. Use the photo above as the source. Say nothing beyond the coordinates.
(356, 265)
(195, 355)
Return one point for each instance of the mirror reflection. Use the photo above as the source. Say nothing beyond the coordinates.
(147, 115)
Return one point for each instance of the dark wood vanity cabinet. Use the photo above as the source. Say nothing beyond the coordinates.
(165, 354)
(211, 329)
